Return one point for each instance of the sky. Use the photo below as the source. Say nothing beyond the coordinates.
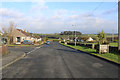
(54, 17)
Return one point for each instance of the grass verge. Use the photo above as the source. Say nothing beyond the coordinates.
(114, 44)
(12, 45)
(115, 57)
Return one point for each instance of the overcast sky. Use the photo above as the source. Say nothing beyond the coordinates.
(54, 17)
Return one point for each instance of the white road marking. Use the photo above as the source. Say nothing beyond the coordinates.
(3, 67)
(33, 50)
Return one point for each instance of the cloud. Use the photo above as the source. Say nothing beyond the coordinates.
(4, 12)
(59, 21)
(74, 16)
(57, 17)
(39, 6)
(110, 11)
(60, 12)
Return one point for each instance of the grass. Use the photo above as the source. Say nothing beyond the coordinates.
(115, 57)
(114, 44)
(12, 45)
(89, 43)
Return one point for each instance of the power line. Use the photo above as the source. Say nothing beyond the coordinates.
(97, 7)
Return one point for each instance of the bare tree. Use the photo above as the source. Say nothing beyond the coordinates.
(7, 31)
(4, 30)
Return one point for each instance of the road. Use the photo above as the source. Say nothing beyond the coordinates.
(58, 61)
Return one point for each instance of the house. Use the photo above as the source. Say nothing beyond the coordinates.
(18, 36)
(89, 39)
(40, 39)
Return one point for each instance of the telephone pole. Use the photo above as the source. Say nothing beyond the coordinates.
(113, 36)
(119, 25)
(75, 36)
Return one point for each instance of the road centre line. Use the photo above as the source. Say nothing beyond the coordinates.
(33, 50)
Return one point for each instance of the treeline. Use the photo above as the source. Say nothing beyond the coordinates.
(70, 33)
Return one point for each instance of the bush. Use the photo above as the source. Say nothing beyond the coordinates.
(102, 38)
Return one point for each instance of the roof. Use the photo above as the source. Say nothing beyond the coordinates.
(89, 39)
(23, 32)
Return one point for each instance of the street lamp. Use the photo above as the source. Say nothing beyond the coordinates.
(75, 35)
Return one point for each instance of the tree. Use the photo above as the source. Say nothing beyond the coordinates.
(7, 31)
(35, 35)
(70, 33)
(102, 37)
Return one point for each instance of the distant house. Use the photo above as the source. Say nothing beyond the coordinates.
(18, 36)
(90, 39)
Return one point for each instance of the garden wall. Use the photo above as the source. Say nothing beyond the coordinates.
(4, 49)
(0, 49)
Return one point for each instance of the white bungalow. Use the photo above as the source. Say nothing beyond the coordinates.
(89, 39)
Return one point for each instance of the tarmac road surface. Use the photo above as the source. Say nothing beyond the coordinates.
(57, 61)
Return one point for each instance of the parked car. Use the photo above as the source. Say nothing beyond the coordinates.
(47, 42)
(4, 40)
(27, 42)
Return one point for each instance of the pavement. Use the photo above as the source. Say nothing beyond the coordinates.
(58, 61)
(21, 49)
(11, 57)
(14, 54)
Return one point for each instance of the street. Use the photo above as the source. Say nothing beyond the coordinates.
(57, 61)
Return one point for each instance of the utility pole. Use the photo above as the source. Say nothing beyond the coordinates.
(119, 25)
(113, 36)
(72, 35)
(75, 36)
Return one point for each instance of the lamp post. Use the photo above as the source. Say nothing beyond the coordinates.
(75, 35)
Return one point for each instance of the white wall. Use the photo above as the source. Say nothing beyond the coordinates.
(22, 38)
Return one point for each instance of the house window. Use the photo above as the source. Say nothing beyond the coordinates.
(18, 39)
